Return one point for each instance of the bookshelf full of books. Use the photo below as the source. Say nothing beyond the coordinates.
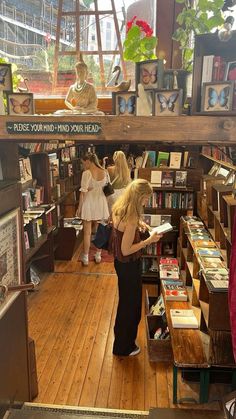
(50, 192)
(204, 269)
(174, 176)
(214, 75)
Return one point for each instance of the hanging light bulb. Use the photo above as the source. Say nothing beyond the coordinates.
(225, 33)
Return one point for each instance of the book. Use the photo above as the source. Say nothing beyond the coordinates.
(175, 160)
(156, 176)
(169, 261)
(162, 159)
(218, 71)
(145, 159)
(218, 286)
(184, 319)
(154, 220)
(158, 308)
(167, 274)
(175, 292)
(151, 161)
(180, 179)
(163, 228)
(209, 262)
(167, 178)
(214, 253)
(207, 68)
(205, 243)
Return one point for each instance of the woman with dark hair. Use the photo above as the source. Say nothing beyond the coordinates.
(93, 203)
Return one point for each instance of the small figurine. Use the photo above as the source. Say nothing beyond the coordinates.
(114, 83)
(81, 97)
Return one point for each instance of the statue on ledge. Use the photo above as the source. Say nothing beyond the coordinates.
(81, 98)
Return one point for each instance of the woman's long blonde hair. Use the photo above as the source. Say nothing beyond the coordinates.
(121, 172)
(93, 158)
(129, 206)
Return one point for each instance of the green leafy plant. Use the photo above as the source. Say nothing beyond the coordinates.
(16, 78)
(204, 17)
(140, 42)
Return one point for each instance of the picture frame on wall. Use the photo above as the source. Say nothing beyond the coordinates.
(20, 103)
(168, 102)
(10, 251)
(150, 74)
(5, 77)
(217, 96)
(124, 103)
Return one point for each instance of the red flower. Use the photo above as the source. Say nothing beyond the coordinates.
(144, 27)
(130, 24)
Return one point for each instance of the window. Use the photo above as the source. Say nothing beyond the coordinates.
(28, 37)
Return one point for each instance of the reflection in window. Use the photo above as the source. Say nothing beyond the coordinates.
(46, 51)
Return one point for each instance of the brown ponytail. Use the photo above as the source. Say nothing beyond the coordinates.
(93, 158)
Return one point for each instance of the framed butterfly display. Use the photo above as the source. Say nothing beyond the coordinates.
(150, 74)
(168, 102)
(217, 97)
(124, 103)
(20, 103)
(5, 78)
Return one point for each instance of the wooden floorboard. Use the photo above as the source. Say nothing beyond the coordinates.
(71, 319)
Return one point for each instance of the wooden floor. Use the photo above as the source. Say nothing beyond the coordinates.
(71, 319)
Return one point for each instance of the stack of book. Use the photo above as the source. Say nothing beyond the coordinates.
(217, 279)
(172, 284)
(183, 319)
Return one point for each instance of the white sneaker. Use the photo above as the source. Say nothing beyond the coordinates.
(85, 260)
(98, 257)
(136, 351)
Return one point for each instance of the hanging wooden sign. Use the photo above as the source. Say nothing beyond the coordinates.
(71, 128)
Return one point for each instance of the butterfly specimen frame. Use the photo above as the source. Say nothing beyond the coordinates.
(20, 103)
(217, 96)
(124, 103)
(168, 102)
(150, 74)
(5, 78)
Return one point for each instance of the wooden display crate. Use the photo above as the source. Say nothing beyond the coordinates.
(158, 350)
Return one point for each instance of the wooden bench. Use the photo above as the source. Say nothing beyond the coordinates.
(188, 352)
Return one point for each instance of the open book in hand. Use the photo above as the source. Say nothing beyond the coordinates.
(163, 228)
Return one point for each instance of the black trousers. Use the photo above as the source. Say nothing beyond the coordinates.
(128, 313)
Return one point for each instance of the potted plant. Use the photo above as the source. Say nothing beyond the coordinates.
(196, 17)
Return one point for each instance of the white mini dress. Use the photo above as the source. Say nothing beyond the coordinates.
(94, 206)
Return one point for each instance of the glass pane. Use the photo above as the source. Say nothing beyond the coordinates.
(27, 38)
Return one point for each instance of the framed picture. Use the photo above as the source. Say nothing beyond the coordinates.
(230, 73)
(10, 254)
(20, 103)
(217, 96)
(5, 78)
(124, 103)
(168, 102)
(150, 74)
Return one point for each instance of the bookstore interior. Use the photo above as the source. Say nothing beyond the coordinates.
(186, 150)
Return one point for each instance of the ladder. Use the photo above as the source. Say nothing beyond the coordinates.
(81, 15)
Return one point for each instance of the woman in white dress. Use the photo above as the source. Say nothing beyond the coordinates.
(119, 175)
(93, 203)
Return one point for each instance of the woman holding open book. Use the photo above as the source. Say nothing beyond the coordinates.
(127, 245)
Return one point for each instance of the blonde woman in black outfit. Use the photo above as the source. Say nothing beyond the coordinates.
(127, 246)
